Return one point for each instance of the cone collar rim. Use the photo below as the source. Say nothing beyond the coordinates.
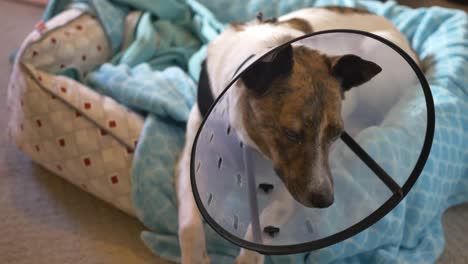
(399, 192)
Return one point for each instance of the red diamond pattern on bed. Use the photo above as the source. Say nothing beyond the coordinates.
(68, 128)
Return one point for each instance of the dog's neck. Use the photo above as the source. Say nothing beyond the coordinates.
(237, 109)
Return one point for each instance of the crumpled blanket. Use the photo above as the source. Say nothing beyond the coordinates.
(158, 80)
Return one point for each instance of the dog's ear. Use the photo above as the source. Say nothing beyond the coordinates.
(260, 75)
(352, 70)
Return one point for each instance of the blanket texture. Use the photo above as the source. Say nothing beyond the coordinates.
(158, 80)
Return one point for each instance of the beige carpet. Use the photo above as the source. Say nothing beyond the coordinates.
(44, 219)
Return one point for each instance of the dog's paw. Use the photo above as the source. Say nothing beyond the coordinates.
(196, 258)
(195, 255)
(249, 257)
(192, 245)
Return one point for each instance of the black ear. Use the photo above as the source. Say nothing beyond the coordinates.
(353, 71)
(260, 75)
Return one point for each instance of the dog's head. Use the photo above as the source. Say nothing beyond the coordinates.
(292, 113)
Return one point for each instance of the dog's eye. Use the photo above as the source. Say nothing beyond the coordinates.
(294, 136)
(335, 133)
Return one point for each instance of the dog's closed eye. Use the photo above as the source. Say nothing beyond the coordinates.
(333, 132)
(294, 136)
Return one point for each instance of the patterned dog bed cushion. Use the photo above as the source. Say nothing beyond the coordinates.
(66, 127)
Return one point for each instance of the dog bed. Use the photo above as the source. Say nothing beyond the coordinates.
(92, 99)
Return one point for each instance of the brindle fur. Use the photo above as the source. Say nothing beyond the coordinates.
(308, 104)
(346, 10)
(299, 24)
(238, 26)
(296, 23)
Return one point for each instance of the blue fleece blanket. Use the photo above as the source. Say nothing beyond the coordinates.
(157, 82)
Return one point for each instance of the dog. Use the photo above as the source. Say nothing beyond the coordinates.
(296, 136)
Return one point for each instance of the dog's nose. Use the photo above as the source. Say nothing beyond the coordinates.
(322, 200)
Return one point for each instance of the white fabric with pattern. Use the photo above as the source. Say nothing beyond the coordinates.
(65, 126)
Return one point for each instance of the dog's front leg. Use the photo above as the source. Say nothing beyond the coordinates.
(191, 233)
(275, 214)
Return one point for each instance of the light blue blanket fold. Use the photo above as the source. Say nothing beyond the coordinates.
(165, 89)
